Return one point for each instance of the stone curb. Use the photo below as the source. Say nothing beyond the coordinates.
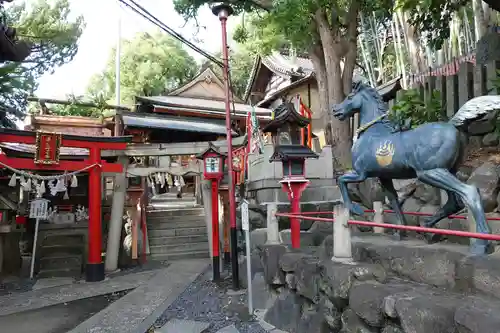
(137, 311)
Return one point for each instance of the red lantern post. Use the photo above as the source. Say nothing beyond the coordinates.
(290, 150)
(213, 169)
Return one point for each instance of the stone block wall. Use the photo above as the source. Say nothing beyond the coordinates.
(391, 287)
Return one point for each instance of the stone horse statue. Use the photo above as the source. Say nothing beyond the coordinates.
(431, 152)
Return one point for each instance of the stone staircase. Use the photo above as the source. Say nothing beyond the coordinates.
(176, 228)
(61, 255)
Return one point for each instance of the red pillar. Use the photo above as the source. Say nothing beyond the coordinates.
(95, 265)
(215, 230)
(294, 189)
(295, 223)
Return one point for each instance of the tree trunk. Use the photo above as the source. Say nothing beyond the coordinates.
(413, 45)
(318, 60)
(480, 26)
(337, 132)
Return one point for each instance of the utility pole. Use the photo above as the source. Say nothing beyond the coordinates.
(223, 11)
(120, 181)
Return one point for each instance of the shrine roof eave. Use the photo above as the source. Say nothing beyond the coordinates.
(292, 152)
(287, 115)
(210, 149)
(266, 101)
(28, 151)
(103, 139)
(169, 122)
(389, 89)
(203, 106)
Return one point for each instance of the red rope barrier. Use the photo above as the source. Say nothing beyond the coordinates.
(401, 227)
(390, 211)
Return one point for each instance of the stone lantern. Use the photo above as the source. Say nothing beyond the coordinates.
(285, 128)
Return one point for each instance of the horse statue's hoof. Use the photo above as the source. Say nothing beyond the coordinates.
(432, 238)
(398, 235)
(356, 209)
(481, 247)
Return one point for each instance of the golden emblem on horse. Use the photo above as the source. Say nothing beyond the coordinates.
(384, 153)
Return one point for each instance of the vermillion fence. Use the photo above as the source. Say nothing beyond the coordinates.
(341, 219)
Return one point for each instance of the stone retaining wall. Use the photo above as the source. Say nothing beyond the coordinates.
(392, 287)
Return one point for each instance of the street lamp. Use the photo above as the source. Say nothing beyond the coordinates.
(213, 169)
(223, 11)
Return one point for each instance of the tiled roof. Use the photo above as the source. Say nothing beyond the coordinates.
(203, 105)
(284, 64)
(280, 64)
(135, 119)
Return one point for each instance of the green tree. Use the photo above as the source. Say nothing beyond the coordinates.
(240, 63)
(151, 64)
(327, 31)
(46, 24)
(75, 108)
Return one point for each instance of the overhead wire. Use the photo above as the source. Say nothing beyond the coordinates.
(150, 17)
(140, 10)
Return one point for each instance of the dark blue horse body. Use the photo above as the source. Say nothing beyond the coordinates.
(410, 151)
(431, 152)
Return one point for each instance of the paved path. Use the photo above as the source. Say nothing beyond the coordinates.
(36, 299)
(138, 310)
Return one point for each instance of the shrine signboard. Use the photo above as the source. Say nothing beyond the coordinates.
(39, 209)
(48, 146)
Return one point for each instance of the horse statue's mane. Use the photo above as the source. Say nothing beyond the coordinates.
(359, 86)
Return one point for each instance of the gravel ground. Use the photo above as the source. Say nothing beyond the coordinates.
(14, 284)
(206, 301)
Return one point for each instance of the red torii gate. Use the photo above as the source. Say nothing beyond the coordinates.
(47, 159)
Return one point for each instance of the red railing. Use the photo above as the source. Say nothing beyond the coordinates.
(307, 216)
(390, 211)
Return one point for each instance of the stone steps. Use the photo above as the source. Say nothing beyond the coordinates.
(177, 211)
(178, 239)
(61, 272)
(156, 218)
(172, 198)
(174, 248)
(180, 255)
(175, 224)
(177, 233)
(171, 232)
(61, 256)
(58, 260)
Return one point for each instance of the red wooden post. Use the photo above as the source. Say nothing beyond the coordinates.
(215, 229)
(95, 265)
(294, 189)
(213, 169)
(295, 223)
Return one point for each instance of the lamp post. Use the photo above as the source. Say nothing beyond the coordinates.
(223, 11)
(213, 169)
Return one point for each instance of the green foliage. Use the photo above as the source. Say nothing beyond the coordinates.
(46, 24)
(261, 34)
(240, 65)
(151, 64)
(496, 82)
(189, 8)
(75, 109)
(432, 17)
(411, 105)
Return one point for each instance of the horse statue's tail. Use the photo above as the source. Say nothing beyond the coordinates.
(475, 109)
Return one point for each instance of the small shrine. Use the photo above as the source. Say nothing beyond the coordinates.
(285, 128)
(289, 148)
